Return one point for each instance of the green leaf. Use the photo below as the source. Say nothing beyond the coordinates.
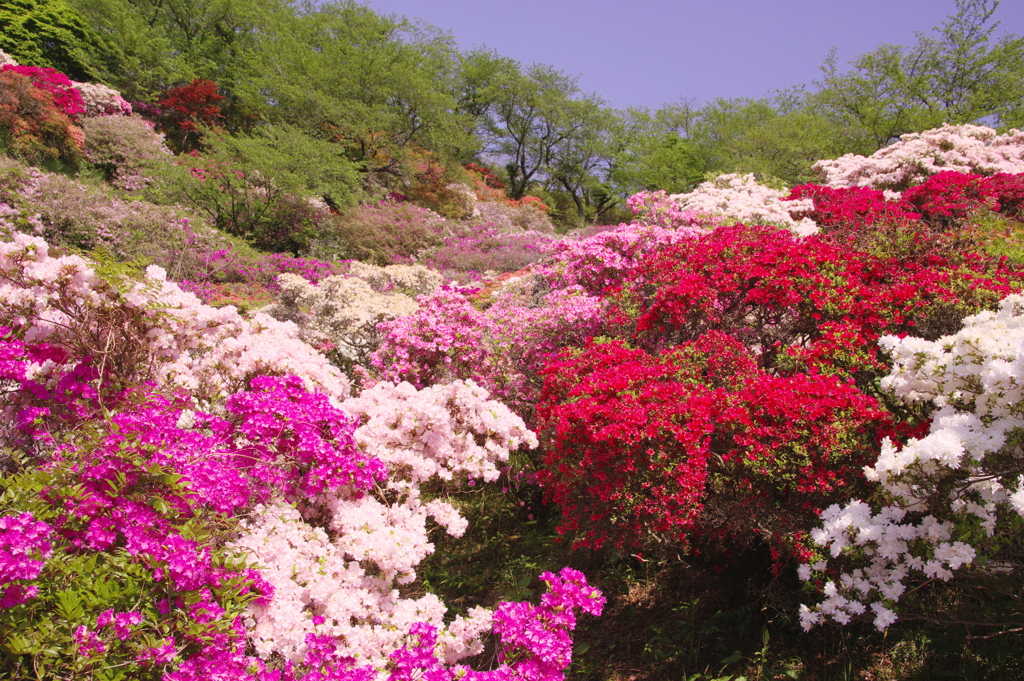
(69, 605)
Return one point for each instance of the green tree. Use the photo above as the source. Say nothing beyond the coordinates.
(653, 150)
(956, 75)
(581, 161)
(162, 43)
(50, 33)
(776, 137)
(382, 87)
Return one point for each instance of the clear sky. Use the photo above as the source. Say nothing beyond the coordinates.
(648, 52)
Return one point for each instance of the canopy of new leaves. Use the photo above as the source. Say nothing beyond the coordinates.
(407, 109)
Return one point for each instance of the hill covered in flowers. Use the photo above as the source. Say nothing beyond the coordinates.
(284, 440)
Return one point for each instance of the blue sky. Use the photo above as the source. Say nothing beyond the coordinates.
(647, 52)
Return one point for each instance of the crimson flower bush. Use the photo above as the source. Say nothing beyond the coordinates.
(183, 110)
(737, 395)
(32, 126)
(696, 444)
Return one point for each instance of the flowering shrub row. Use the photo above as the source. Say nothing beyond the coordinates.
(204, 469)
(971, 149)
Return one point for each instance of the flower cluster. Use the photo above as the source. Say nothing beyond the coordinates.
(100, 100)
(168, 496)
(740, 198)
(340, 312)
(65, 96)
(125, 148)
(850, 209)
(479, 251)
(151, 329)
(24, 548)
(944, 495)
(730, 337)
(38, 128)
(382, 233)
(658, 209)
(443, 339)
(973, 149)
(338, 579)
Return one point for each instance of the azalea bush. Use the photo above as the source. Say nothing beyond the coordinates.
(743, 333)
(696, 445)
(72, 214)
(383, 233)
(124, 148)
(943, 502)
(342, 313)
(735, 198)
(33, 126)
(469, 253)
(204, 468)
(65, 97)
(971, 149)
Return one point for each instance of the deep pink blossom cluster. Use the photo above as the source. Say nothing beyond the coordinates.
(24, 548)
(65, 96)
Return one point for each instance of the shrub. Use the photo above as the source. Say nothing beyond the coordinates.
(740, 198)
(508, 216)
(695, 445)
(485, 248)
(941, 502)
(723, 336)
(65, 97)
(32, 127)
(76, 215)
(100, 100)
(973, 149)
(124, 148)
(947, 200)
(1009, 192)
(185, 109)
(245, 203)
(382, 234)
(341, 312)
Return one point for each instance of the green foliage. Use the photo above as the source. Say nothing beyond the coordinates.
(653, 150)
(50, 33)
(381, 87)
(241, 202)
(954, 76)
(294, 161)
(273, 188)
(160, 43)
(780, 137)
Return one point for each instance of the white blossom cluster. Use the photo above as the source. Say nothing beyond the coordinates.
(442, 430)
(465, 197)
(6, 59)
(330, 587)
(100, 100)
(341, 576)
(344, 310)
(412, 280)
(741, 198)
(917, 156)
(209, 351)
(975, 379)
